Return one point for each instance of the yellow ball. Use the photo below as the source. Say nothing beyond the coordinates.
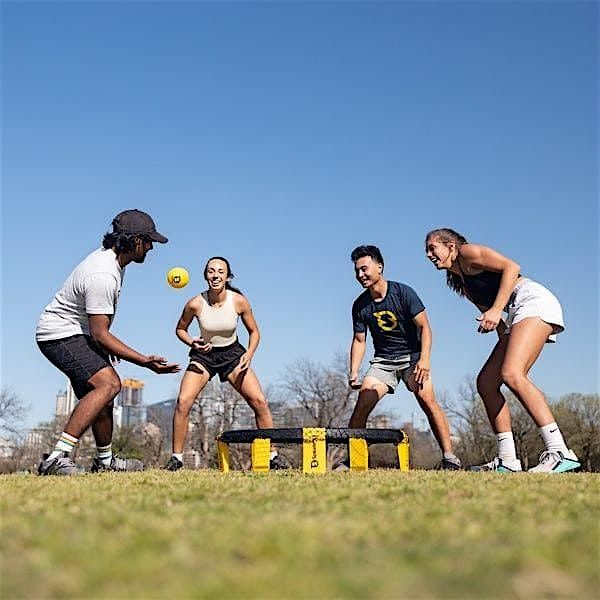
(178, 277)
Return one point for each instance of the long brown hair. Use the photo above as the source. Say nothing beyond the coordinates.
(446, 235)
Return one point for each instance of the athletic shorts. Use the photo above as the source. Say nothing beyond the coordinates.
(78, 357)
(530, 299)
(219, 361)
(393, 370)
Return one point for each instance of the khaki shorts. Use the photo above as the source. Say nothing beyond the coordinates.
(530, 299)
(391, 371)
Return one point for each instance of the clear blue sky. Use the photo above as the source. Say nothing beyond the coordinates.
(283, 134)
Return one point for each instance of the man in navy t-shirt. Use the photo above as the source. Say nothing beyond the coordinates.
(395, 317)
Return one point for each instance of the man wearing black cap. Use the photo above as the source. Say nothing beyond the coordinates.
(73, 334)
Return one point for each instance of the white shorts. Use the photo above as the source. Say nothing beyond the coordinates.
(530, 299)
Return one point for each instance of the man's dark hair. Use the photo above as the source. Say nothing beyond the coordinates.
(362, 251)
(121, 242)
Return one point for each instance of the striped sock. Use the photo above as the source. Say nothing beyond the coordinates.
(66, 443)
(105, 454)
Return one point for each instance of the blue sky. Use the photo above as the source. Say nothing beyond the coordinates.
(283, 134)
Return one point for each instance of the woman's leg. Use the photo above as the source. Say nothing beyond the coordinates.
(489, 382)
(192, 384)
(247, 384)
(525, 343)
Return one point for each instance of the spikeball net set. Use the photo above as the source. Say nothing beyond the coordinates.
(314, 442)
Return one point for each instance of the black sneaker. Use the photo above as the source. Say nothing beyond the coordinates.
(341, 465)
(61, 465)
(174, 464)
(117, 464)
(450, 464)
(278, 463)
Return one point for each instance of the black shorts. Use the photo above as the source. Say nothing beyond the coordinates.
(219, 361)
(78, 357)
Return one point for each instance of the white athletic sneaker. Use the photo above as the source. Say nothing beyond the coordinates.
(555, 461)
(499, 465)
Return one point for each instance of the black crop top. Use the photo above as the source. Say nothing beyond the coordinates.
(482, 288)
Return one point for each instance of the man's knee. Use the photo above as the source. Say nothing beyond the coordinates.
(108, 383)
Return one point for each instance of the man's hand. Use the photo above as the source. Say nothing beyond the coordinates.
(422, 371)
(489, 320)
(353, 381)
(159, 365)
(201, 346)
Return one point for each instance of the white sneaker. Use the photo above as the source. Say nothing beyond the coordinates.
(498, 465)
(555, 461)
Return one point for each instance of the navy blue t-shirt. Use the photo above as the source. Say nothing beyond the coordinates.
(390, 321)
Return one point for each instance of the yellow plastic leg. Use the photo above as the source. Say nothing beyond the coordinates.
(261, 449)
(359, 454)
(404, 455)
(223, 455)
(314, 450)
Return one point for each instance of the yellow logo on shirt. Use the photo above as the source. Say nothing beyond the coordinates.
(386, 320)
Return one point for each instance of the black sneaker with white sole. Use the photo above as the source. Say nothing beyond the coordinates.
(61, 465)
(117, 464)
(174, 464)
(278, 463)
(450, 464)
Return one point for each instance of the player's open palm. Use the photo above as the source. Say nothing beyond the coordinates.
(159, 365)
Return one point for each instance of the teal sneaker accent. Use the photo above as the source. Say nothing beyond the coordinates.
(566, 465)
(498, 466)
(555, 461)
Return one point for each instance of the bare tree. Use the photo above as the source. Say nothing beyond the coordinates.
(12, 413)
(322, 393)
(579, 418)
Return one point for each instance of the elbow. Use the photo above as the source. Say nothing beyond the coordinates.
(97, 337)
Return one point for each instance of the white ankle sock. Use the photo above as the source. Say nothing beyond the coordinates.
(179, 457)
(105, 454)
(273, 454)
(553, 438)
(506, 446)
(66, 443)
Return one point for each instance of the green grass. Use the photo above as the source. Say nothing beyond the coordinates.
(381, 534)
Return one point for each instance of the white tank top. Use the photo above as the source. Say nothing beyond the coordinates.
(218, 324)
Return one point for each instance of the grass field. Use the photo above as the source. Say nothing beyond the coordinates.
(380, 534)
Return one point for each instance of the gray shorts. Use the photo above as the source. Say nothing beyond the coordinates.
(393, 370)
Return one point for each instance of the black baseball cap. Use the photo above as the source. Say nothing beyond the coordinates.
(137, 222)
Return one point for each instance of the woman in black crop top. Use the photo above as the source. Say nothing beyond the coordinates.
(493, 283)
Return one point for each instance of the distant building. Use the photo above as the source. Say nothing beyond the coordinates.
(65, 401)
(37, 437)
(161, 414)
(129, 409)
(6, 448)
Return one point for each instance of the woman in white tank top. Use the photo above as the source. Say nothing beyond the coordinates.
(218, 352)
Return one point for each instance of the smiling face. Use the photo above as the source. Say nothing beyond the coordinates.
(367, 271)
(441, 254)
(216, 274)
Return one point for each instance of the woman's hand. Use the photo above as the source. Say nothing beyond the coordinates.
(245, 361)
(489, 320)
(201, 346)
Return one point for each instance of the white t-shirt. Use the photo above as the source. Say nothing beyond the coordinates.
(92, 288)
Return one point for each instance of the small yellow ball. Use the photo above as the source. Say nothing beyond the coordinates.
(178, 277)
